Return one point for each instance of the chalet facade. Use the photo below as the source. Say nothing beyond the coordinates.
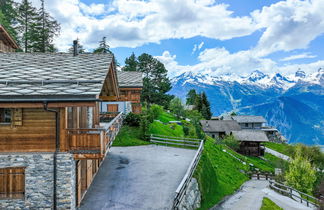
(250, 141)
(249, 121)
(130, 86)
(51, 139)
(218, 129)
(7, 43)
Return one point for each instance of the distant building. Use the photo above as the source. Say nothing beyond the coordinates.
(218, 129)
(7, 43)
(250, 141)
(249, 121)
(129, 100)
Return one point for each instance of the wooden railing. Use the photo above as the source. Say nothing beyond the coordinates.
(94, 140)
(294, 194)
(178, 141)
(262, 175)
(182, 188)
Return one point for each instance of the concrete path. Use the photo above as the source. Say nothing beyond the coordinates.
(277, 154)
(141, 177)
(251, 194)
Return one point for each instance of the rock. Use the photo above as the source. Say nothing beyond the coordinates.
(192, 198)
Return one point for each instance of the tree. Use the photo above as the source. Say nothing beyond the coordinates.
(80, 48)
(8, 14)
(176, 107)
(27, 25)
(191, 97)
(103, 47)
(301, 175)
(46, 29)
(131, 63)
(205, 106)
(156, 82)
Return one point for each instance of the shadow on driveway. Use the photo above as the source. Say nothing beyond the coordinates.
(141, 177)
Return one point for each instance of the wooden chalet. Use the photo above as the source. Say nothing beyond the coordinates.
(218, 129)
(249, 121)
(7, 43)
(250, 141)
(50, 123)
(130, 86)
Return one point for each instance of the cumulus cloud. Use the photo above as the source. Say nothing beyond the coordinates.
(289, 25)
(299, 56)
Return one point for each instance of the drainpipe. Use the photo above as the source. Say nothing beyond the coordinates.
(57, 146)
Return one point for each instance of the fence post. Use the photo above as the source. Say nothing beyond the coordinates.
(258, 176)
(266, 176)
(290, 193)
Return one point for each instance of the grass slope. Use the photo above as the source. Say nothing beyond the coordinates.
(282, 148)
(218, 174)
(166, 130)
(268, 204)
(129, 136)
(165, 117)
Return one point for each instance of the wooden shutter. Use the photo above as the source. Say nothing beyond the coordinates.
(112, 107)
(12, 183)
(17, 118)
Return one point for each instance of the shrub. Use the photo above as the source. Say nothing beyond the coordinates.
(132, 119)
(231, 142)
(155, 111)
(186, 130)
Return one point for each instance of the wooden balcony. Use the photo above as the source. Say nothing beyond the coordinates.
(93, 142)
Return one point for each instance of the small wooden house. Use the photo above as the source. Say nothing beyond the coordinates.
(250, 141)
(7, 43)
(218, 129)
(51, 139)
(130, 86)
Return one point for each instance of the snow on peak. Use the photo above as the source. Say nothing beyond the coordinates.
(300, 74)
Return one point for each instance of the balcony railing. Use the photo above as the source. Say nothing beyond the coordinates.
(94, 140)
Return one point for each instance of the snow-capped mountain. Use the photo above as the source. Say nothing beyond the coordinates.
(293, 103)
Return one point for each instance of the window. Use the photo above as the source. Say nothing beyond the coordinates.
(246, 125)
(5, 115)
(12, 183)
(112, 107)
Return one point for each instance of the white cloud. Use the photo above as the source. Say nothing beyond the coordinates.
(299, 56)
(219, 61)
(93, 9)
(289, 25)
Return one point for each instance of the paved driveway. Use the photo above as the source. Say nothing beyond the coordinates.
(141, 177)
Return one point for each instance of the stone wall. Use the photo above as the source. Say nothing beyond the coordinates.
(39, 180)
(192, 197)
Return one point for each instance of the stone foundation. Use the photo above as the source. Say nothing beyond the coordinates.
(192, 197)
(39, 180)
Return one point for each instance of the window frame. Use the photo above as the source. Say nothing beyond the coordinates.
(11, 114)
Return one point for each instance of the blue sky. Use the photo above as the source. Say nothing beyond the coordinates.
(206, 36)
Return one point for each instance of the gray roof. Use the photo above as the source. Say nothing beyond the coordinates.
(130, 79)
(250, 135)
(220, 126)
(25, 75)
(248, 119)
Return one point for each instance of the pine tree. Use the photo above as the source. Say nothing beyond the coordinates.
(131, 63)
(205, 106)
(103, 47)
(191, 97)
(8, 14)
(47, 29)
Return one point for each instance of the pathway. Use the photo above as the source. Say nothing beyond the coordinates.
(251, 194)
(141, 177)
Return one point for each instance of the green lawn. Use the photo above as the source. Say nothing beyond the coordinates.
(268, 204)
(129, 136)
(165, 117)
(218, 174)
(282, 148)
(166, 130)
(259, 163)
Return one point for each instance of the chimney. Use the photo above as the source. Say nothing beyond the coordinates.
(75, 47)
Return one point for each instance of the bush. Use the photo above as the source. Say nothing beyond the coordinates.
(132, 119)
(155, 111)
(231, 142)
(186, 130)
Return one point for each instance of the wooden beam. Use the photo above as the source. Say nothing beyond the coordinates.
(50, 105)
(128, 88)
(108, 98)
(87, 156)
